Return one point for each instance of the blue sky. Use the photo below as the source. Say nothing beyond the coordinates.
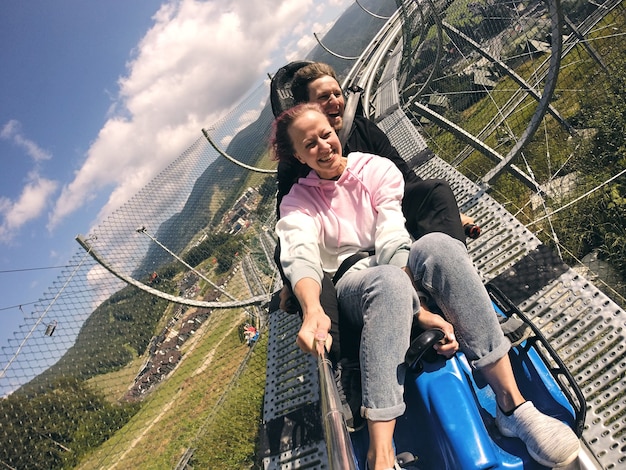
(97, 97)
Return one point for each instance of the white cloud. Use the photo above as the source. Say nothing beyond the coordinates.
(31, 203)
(34, 196)
(12, 131)
(99, 290)
(188, 70)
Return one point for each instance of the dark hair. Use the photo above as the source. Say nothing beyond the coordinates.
(307, 74)
(280, 141)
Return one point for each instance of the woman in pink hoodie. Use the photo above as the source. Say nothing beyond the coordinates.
(352, 204)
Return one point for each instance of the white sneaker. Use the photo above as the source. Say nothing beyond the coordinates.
(549, 441)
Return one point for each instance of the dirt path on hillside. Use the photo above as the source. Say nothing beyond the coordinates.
(168, 406)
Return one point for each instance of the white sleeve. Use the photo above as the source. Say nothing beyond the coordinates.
(299, 247)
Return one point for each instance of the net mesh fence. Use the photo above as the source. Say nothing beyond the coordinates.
(149, 350)
(473, 80)
(103, 364)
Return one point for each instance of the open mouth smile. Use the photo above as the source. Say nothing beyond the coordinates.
(327, 158)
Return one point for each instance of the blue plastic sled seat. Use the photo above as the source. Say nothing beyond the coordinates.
(450, 417)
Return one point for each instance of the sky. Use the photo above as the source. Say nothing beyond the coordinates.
(97, 97)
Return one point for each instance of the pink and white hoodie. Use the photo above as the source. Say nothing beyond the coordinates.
(323, 222)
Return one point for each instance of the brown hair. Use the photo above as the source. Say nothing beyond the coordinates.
(307, 74)
(280, 141)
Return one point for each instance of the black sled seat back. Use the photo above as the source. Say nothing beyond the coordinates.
(281, 97)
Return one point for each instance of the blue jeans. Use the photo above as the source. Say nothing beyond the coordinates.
(442, 268)
(380, 303)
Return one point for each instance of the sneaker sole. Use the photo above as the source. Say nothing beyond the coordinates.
(538, 459)
(527, 334)
(567, 461)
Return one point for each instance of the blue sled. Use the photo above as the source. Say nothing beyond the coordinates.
(450, 417)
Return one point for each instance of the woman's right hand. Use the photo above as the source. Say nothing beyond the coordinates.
(315, 323)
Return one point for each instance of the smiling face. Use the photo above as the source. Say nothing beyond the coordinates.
(316, 144)
(327, 93)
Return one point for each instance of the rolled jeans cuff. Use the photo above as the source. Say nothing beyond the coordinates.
(494, 355)
(383, 414)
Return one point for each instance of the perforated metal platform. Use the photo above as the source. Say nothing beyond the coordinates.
(285, 360)
(292, 429)
(583, 325)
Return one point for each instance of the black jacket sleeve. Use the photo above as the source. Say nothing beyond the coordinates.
(369, 138)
